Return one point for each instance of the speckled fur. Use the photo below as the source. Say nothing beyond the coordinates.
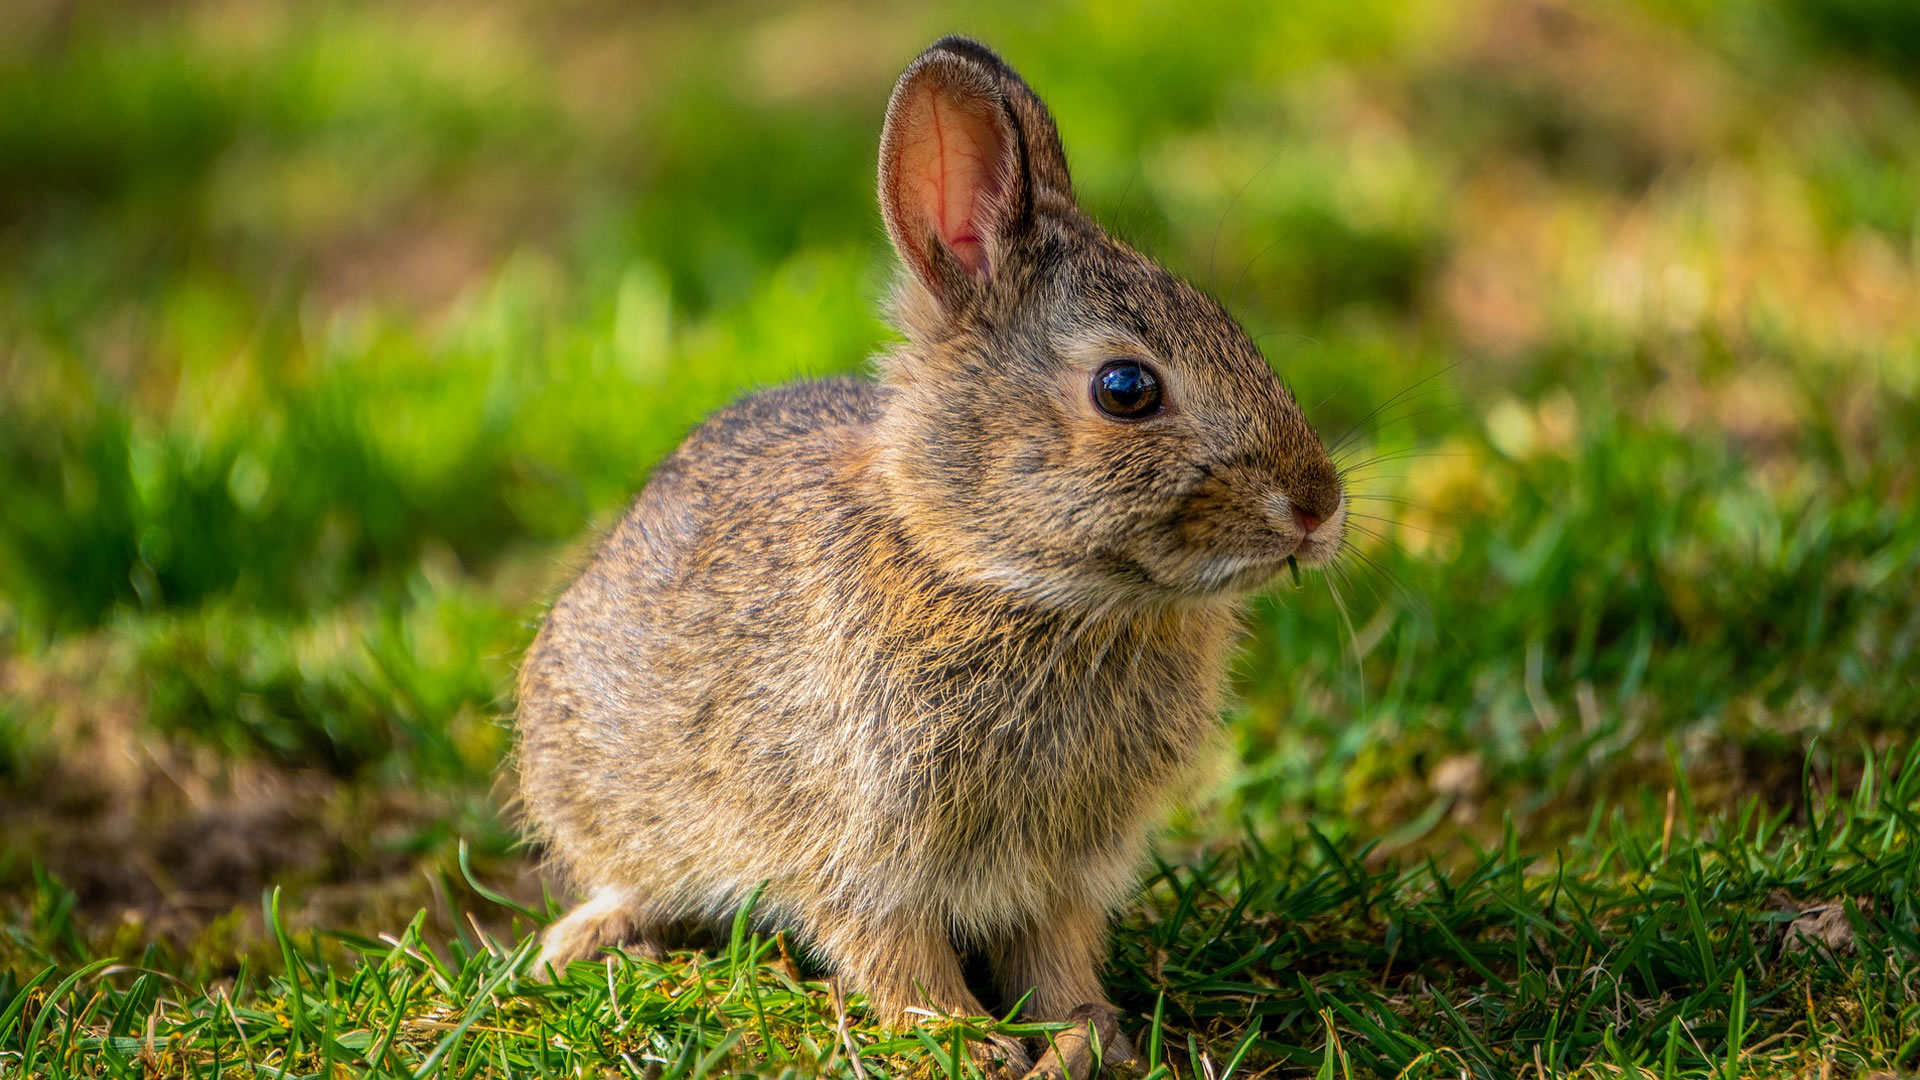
(928, 654)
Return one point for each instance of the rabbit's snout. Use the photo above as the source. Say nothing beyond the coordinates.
(1300, 519)
(1311, 521)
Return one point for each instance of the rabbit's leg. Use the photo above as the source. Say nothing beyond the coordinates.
(611, 916)
(1057, 960)
(908, 969)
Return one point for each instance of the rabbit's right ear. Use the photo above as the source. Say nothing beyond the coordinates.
(967, 154)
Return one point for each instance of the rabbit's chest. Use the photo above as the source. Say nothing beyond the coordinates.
(1067, 752)
(1056, 803)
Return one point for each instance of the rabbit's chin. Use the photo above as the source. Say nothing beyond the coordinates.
(1320, 549)
(1246, 576)
(1241, 574)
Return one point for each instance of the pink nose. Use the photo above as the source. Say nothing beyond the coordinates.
(1307, 521)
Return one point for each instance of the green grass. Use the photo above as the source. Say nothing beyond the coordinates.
(330, 335)
(1653, 947)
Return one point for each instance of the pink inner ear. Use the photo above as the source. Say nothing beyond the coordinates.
(951, 167)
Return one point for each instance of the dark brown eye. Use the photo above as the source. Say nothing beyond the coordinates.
(1126, 390)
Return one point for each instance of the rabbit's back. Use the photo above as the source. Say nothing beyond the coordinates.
(633, 754)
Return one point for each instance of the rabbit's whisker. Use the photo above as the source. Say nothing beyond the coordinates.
(1398, 455)
(1397, 500)
(1351, 516)
(1213, 249)
(1379, 570)
(1348, 434)
(1340, 604)
(1233, 298)
(1405, 418)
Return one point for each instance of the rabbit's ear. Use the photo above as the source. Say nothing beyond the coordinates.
(967, 154)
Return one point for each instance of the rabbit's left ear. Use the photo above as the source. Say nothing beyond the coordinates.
(967, 157)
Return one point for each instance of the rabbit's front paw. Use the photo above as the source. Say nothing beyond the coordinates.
(608, 918)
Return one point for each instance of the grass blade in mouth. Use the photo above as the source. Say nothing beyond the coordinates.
(1293, 564)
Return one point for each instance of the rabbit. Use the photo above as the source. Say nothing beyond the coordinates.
(927, 654)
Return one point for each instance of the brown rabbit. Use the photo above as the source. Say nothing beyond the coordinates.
(929, 654)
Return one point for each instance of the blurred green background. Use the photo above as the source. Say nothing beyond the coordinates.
(331, 335)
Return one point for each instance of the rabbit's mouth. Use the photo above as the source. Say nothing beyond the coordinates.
(1311, 540)
(1250, 573)
(1319, 548)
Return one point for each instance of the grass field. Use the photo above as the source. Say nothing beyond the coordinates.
(331, 335)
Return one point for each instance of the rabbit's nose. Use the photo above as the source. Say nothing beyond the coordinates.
(1313, 504)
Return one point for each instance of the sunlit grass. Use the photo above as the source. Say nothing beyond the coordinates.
(1660, 945)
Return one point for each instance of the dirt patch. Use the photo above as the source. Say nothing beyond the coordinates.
(161, 841)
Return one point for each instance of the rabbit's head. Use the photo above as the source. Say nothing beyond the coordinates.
(1067, 418)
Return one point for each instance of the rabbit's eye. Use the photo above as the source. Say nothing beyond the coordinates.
(1126, 390)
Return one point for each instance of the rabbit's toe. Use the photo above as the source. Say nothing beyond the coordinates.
(607, 918)
(1001, 1055)
(1072, 1052)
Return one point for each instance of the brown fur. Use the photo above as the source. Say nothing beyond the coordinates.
(928, 654)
